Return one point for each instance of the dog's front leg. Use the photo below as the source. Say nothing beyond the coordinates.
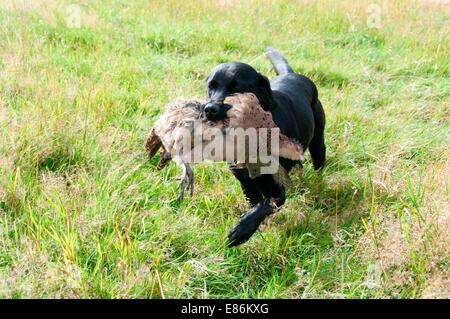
(249, 223)
(274, 197)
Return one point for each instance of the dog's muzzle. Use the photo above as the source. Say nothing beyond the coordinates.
(215, 111)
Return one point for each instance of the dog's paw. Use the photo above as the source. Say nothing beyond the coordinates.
(241, 232)
(248, 224)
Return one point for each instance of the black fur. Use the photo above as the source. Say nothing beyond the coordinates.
(292, 99)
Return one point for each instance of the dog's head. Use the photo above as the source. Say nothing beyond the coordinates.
(234, 77)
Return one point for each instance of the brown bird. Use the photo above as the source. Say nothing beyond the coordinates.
(177, 114)
(183, 118)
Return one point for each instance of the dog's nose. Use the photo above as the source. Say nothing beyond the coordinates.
(216, 111)
(211, 109)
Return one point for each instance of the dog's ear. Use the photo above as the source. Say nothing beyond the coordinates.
(264, 92)
(264, 81)
(208, 93)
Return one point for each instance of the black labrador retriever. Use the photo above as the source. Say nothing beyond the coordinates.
(292, 100)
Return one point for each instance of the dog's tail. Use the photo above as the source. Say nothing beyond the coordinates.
(279, 63)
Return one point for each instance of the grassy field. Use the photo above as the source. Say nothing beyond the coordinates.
(85, 214)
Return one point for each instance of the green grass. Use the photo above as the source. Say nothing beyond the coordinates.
(83, 213)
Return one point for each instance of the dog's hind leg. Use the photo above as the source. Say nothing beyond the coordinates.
(317, 145)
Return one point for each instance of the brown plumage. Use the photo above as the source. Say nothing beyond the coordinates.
(177, 114)
(245, 113)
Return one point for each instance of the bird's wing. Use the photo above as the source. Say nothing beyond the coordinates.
(153, 143)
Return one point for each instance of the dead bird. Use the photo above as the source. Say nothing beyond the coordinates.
(177, 114)
(244, 113)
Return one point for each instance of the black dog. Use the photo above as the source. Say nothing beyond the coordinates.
(292, 100)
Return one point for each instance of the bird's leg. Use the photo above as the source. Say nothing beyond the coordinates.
(190, 175)
(187, 181)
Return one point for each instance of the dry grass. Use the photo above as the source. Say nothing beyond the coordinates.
(84, 214)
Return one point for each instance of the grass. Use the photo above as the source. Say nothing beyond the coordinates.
(83, 213)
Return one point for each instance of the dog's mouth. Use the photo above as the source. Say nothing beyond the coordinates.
(215, 111)
(226, 108)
